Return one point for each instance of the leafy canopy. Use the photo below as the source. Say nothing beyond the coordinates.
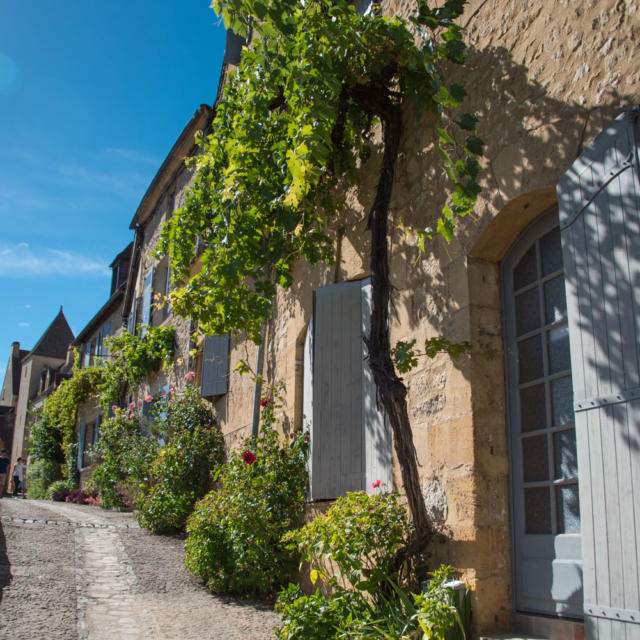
(294, 123)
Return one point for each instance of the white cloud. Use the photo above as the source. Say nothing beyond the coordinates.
(24, 324)
(20, 261)
(27, 306)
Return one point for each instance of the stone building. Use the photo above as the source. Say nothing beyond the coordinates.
(9, 396)
(495, 430)
(541, 517)
(40, 370)
(93, 349)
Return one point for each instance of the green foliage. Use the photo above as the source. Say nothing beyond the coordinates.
(377, 527)
(133, 358)
(56, 486)
(181, 472)
(437, 611)
(124, 455)
(40, 475)
(46, 440)
(294, 123)
(406, 358)
(401, 615)
(318, 617)
(53, 435)
(234, 534)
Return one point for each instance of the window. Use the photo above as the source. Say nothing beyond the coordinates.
(350, 438)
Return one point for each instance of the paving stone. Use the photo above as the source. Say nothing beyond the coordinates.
(80, 573)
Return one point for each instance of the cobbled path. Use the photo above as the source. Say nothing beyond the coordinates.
(76, 572)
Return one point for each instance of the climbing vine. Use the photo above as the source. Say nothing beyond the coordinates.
(132, 358)
(296, 121)
(53, 434)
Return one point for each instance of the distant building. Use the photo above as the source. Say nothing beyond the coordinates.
(91, 343)
(34, 374)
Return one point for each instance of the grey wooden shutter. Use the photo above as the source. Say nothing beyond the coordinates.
(337, 449)
(599, 202)
(215, 365)
(96, 430)
(87, 355)
(377, 431)
(106, 332)
(147, 298)
(81, 437)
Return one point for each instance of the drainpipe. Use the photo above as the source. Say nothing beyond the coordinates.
(257, 392)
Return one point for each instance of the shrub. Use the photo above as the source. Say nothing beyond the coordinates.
(41, 474)
(59, 490)
(315, 616)
(181, 472)
(378, 527)
(124, 455)
(234, 534)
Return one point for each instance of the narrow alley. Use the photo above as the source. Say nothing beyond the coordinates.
(69, 571)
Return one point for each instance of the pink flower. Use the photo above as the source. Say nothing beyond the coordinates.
(164, 395)
(131, 406)
(248, 457)
(139, 403)
(376, 484)
(190, 375)
(170, 400)
(113, 407)
(172, 390)
(148, 398)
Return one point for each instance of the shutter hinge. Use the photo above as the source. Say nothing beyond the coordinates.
(611, 613)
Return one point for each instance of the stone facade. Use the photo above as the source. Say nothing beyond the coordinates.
(544, 79)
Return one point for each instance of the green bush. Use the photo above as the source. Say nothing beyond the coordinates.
(235, 532)
(181, 472)
(377, 526)
(361, 536)
(40, 475)
(315, 616)
(58, 485)
(124, 454)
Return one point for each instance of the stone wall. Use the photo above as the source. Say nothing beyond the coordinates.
(544, 78)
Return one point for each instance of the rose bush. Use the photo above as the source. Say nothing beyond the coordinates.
(235, 533)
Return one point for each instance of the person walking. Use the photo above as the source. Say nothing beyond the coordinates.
(4, 465)
(19, 478)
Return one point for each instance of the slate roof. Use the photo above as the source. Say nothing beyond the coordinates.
(55, 340)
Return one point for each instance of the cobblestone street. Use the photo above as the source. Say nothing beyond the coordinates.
(69, 571)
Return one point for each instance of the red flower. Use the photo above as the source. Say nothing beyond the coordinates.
(248, 457)
(265, 402)
(376, 484)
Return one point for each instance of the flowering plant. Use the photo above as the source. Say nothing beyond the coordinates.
(234, 534)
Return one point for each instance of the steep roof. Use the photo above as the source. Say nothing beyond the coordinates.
(55, 340)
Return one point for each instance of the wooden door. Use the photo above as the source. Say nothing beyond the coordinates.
(599, 203)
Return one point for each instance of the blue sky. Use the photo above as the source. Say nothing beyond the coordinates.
(92, 97)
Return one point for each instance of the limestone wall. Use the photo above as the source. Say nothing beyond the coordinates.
(544, 78)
